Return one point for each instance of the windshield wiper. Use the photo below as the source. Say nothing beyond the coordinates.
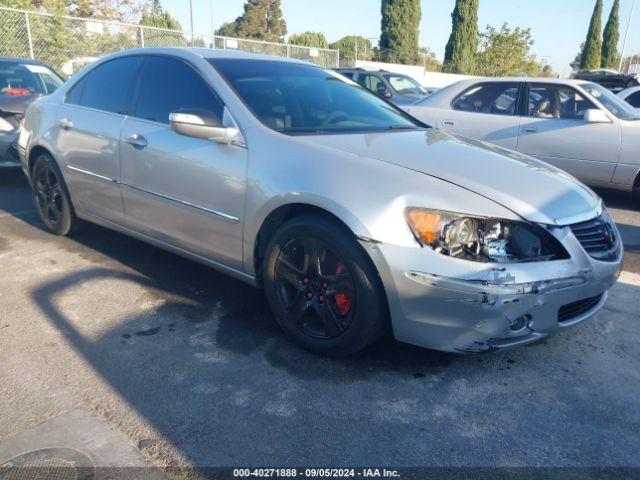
(403, 127)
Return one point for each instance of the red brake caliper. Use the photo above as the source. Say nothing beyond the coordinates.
(343, 301)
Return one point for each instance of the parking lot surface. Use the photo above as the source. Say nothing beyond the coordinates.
(188, 364)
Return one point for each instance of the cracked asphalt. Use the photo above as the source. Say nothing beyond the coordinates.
(188, 364)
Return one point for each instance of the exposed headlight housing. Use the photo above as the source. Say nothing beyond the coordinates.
(483, 239)
(5, 126)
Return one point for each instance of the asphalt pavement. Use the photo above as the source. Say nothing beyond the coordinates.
(188, 365)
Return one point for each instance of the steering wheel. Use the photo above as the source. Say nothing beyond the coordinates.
(334, 117)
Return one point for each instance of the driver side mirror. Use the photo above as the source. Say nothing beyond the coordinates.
(595, 115)
(383, 91)
(201, 124)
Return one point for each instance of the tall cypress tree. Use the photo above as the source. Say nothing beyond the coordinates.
(610, 57)
(592, 53)
(460, 52)
(400, 31)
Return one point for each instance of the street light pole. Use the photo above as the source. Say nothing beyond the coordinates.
(191, 15)
(211, 9)
(626, 34)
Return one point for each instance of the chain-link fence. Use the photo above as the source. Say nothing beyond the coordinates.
(68, 43)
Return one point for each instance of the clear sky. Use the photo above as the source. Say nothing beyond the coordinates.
(558, 26)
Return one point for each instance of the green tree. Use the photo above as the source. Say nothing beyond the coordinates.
(157, 17)
(507, 52)
(429, 60)
(400, 31)
(23, 4)
(461, 48)
(347, 47)
(261, 20)
(575, 64)
(610, 56)
(309, 39)
(592, 53)
(229, 29)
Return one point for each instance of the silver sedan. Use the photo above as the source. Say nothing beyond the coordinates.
(578, 126)
(354, 217)
(631, 96)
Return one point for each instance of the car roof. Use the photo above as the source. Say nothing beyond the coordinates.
(208, 54)
(370, 70)
(570, 81)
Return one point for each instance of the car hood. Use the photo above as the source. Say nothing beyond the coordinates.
(532, 189)
(16, 104)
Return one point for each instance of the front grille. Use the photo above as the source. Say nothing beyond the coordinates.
(598, 237)
(575, 309)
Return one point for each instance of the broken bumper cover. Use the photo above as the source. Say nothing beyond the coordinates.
(8, 150)
(470, 307)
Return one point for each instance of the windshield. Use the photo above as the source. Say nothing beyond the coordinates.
(611, 102)
(25, 79)
(303, 99)
(405, 85)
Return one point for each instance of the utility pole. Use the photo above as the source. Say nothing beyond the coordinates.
(626, 34)
(211, 8)
(191, 15)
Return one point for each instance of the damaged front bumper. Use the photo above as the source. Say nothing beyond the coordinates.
(8, 150)
(458, 306)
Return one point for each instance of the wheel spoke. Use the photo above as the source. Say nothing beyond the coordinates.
(289, 272)
(52, 212)
(313, 256)
(40, 185)
(297, 308)
(329, 321)
(47, 177)
(42, 199)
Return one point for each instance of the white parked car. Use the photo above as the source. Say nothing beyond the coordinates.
(580, 127)
(631, 96)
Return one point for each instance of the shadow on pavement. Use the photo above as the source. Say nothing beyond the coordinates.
(207, 366)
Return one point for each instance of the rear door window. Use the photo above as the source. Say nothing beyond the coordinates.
(107, 87)
(491, 98)
(168, 85)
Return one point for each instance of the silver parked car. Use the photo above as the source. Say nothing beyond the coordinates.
(631, 96)
(352, 215)
(578, 126)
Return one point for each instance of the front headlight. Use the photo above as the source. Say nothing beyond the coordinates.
(483, 239)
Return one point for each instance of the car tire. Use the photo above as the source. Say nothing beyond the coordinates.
(335, 306)
(51, 196)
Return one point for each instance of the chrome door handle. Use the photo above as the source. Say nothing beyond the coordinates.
(529, 130)
(448, 123)
(136, 141)
(65, 124)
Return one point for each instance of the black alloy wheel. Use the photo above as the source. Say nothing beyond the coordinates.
(323, 288)
(51, 196)
(315, 288)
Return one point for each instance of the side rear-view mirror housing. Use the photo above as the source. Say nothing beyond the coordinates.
(595, 115)
(203, 124)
